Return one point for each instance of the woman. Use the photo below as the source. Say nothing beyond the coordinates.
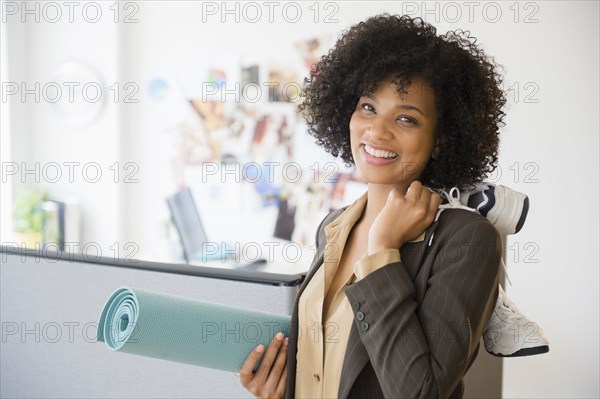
(396, 299)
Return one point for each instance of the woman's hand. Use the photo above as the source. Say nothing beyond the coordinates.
(403, 218)
(270, 378)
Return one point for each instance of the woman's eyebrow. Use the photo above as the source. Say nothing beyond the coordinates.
(370, 97)
(407, 107)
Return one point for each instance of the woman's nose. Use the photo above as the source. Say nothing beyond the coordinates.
(378, 128)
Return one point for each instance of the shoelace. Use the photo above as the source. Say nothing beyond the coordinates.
(510, 309)
(483, 189)
(453, 197)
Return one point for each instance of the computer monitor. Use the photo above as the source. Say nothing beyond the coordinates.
(187, 221)
(193, 237)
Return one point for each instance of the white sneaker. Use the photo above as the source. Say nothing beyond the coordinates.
(509, 333)
(504, 207)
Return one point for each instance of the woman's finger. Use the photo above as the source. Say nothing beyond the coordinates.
(265, 365)
(278, 366)
(394, 195)
(425, 196)
(282, 383)
(246, 371)
(414, 190)
(434, 203)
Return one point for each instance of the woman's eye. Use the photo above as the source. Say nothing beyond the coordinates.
(368, 107)
(406, 119)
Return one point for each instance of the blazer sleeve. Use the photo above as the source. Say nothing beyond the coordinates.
(422, 350)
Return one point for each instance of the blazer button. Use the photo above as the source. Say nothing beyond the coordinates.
(360, 316)
(355, 305)
(317, 377)
(364, 326)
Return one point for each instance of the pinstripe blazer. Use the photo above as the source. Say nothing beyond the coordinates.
(421, 318)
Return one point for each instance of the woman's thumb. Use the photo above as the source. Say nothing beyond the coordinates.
(393, 194)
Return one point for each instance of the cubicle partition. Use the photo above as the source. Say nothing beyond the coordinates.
(50, 306)
(49, 309)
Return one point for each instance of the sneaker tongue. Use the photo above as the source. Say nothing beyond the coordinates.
(475, 200)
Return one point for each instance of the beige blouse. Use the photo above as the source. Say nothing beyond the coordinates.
(322, 339)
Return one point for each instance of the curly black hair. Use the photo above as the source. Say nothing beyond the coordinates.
(466, 83)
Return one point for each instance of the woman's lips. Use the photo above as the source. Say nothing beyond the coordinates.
(373, 160)
(379, 152)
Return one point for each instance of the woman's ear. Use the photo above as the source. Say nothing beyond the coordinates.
(438, 146)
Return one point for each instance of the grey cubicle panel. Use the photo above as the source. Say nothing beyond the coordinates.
(49, 309)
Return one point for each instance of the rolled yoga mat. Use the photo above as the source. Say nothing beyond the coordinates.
(183, 330)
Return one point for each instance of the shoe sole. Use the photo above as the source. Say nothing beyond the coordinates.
(537, 350)
(523, 215)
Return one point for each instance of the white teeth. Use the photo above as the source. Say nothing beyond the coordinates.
(380, 153)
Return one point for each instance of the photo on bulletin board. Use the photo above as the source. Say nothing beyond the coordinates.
(250, 75)
(312, 49)
(273, 132)
(305, 202)
(283, 85)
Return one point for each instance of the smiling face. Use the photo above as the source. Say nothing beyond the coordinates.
(392, 134)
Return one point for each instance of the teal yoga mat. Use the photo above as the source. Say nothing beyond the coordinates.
(183, 330)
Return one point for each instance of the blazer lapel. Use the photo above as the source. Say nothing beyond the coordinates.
(293, 337)
(311, 272)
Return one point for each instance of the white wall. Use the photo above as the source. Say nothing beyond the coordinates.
(6, 192)
(559, 134)
(555, 138)
(41, 137)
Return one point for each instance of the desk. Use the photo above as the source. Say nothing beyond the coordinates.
(282, 256)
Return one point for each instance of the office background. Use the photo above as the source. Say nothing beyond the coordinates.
(549, 147)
